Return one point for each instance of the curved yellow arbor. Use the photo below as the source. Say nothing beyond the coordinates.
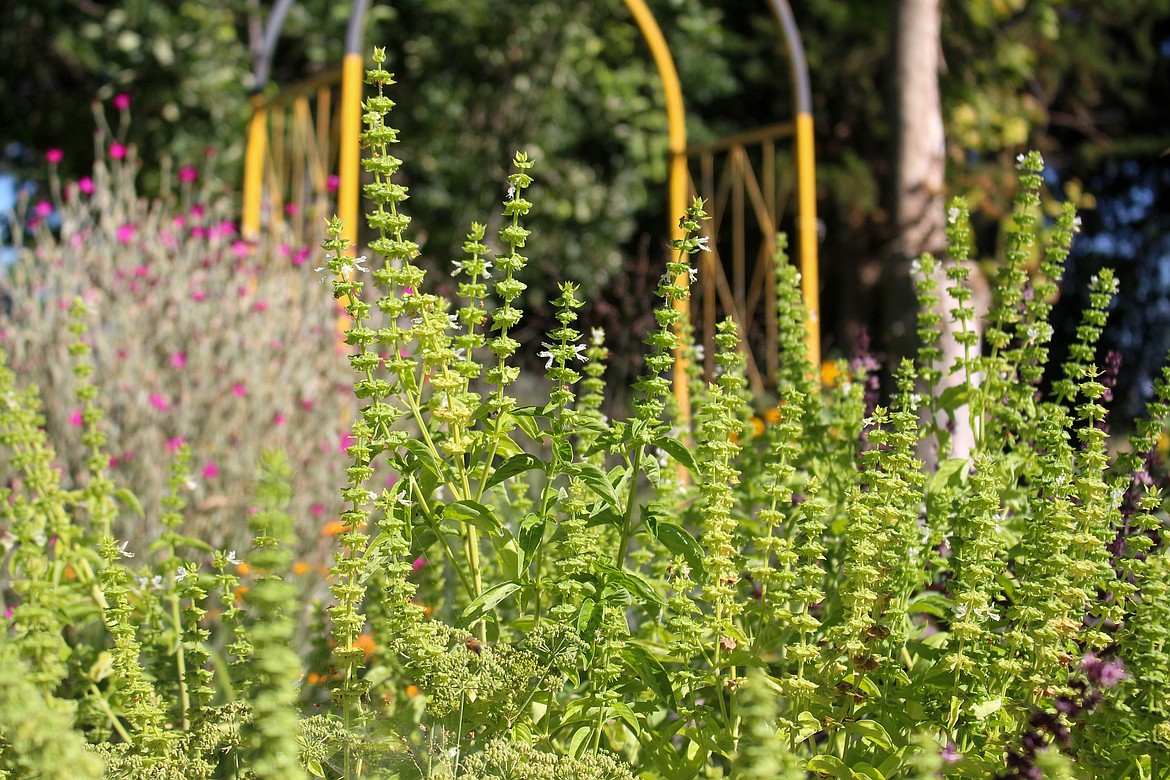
(261, 158)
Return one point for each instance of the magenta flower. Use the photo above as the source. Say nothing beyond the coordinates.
(260, 306)
(240, 249)
(179, 221)
(54, 156)
(85, 185)
(279, 419)
(121, 101)
(291, 209)
(347, 441)
(197, 211)
(239, 390)
(307, 404)
(178, 360)
(141, 270)
(198, 232)
(8, 610)
(75, 418)
(226, 228)
(173, 445)
(301, 256)
(188, 173)
(333, 182)
(284, 249)
(419, 562)
(1103, 674)
(159, 402)
(210, 470)
(198, 295)
(316, 510)
(43, 209)
(125, 233)
(117, 151)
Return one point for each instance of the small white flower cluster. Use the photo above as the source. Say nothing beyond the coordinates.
(578, 352)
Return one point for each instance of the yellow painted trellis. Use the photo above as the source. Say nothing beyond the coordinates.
(290, 152)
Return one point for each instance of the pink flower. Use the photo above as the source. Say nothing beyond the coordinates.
(347, 441)
(239, 390)
(178, 360)
(117, 151)
(75, 418)
(141, 270)
(188, 173)
(173, 445)
(121, 101)
(8, 612)
(179, 221)
(44, 208)
(260, 306)
(307, 404)
(419, 562)
(197, 211)
(240, 249)
(125, 234)
(85, 185)
(226, 228)
(198, 232)
(284, 249)
(333, 182)
(316, 510)
(54, 156)
(159, 402)
(279, 419)
(210, 470)
(301, 256)
(291, 209)
(198, 295)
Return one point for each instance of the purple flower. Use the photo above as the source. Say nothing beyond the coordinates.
(1103, 674)
(950, 754)
(121, 101)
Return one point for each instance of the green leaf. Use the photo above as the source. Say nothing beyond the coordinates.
(130, 500)
(425, 456)
(951, 473)
(930, 602)
(679, 451)
(862, 769)
(680, 542)
(476, 514)
(871, 731)
(626, 714)
(595, 479)
(532, 534)
(635, 583)
(952, 398)
(315, 768)
(525, 419)
(487, 601)
(829, 765)
(517, 464)
(981, 711)
(649, 670)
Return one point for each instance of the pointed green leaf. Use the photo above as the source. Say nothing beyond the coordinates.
(486, 602)
(517, 464)
(595, 479)
(679, 451)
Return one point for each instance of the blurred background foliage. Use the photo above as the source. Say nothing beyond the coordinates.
(1082, 81)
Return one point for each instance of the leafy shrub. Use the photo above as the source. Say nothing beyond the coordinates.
(543, 592)
(205, 338)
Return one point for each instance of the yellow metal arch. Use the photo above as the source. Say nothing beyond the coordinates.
(349, 171)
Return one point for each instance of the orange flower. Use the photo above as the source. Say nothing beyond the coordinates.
(243, 568)
(366, 643)
(757, 426)
(831, 373)
(315, 678)
(412, 691)
(773, 415)
(240, 591)
(334, 528)
(301, 567)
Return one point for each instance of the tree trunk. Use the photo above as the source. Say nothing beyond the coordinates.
(919, 198)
